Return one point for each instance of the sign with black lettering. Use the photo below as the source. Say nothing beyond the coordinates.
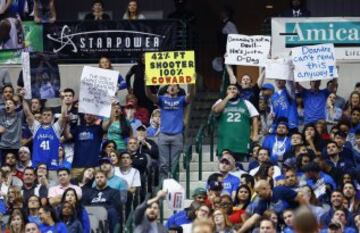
(247, 50)
(170, 67)
(121, 41)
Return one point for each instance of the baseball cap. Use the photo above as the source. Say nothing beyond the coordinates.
(312, 167)
(199, 191)
(229, 158)
(25, 149)
(141, 128)
(104, 160)
(268, 86)
(215, 186)
(290, 163)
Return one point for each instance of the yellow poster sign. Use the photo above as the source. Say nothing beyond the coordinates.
(170, 67)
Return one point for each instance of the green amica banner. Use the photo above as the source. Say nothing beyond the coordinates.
(33, 43)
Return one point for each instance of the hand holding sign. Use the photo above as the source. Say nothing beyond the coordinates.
(279, 69)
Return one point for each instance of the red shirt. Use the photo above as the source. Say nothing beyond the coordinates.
(235, 217)
(143, 115)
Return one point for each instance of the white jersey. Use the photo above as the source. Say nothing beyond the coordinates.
(16, 35)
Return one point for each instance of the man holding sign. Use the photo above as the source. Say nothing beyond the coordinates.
(170, 142)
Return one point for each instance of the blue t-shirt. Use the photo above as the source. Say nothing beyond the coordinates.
(178, 219)
(172, 114)
(314, 105)
(281, 199)
(58, 228)
(87, 145)
(277, 146)
(231, 183)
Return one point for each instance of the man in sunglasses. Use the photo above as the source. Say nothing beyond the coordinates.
(231, 182)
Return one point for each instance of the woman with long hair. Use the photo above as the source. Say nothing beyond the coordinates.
(119, 128)
(107, 147)
(82, 215)
(68, 216)
(33, 206)
(222, 222)
(87, 178)
(314, 204)
(50, 221)
(14, 199)
(313, 140)
(353, 102)
(16, 223)
(242, 197)
(132, 12)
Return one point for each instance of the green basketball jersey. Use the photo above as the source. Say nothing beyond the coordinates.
(234, 126)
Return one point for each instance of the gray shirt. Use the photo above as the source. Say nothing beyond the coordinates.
(10, 139)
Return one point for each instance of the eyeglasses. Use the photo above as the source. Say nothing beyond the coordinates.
(224, 161)
(225, 204)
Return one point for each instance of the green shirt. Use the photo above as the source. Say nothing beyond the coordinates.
(114, 133)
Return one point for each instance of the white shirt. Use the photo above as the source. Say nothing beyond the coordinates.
(277, 171)
(132, 176)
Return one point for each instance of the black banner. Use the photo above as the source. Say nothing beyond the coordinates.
(122, 41)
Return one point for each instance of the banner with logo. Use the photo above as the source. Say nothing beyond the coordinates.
(122, 41)
(247, 50)
(343, 32)
(170, 67)
(33, 43)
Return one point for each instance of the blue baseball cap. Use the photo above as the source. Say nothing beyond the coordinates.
(268, 86)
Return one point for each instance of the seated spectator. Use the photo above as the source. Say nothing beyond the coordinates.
(235, 215)
(32, 227)
(130, 117)
(333, 113)
(10, 165)
(314, 204)
(33, 206)
(87, 178)
(64, 159)
(107, 147)
(103, 195)
(297, 9)
(266, 118)
(81, 213)
(356, 149)
(118, 127)
(288, 216)
(128, 173)
(14, 199)
(350, 193)
(242, 197)
(97, 13)
(132, 12)
(355, 125)
(44, 11)
(141, 113)
(232, 120)
(16, 223)
(353, 102)
(154, 128)
(222, 222)
(313, 140)
(263, 157)
(333, 88)
(204, 226)
(267, 226)
(230, 182)
(296, 141)
(339, 221)
(50, 221)
(24, 159)
(203, 213)
(56, 192)
(12, 34)
(67, 215)
(31, 187)
(279, 143)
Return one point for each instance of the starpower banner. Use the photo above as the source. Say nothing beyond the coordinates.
(122, 41)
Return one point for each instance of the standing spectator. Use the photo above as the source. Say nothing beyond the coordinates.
(132, 12)
(314, 101)
(11, 34)
(172, 109)
(339, 101)
(130, 117)
(46, 136)
(353, 102)
(297, 9)
(4, 8)
(227, 27)
(140, 113)
(4, 76)
(67, 216)
(97, 13)
(103, 195)
(56, 192)
(24, 156)
(105, 63)
(146, 215)
(118, 127)
(231, 182)
(333, 113)
(239, 116)
(10, 128)
(50, 221)
(44, 11)
(279, 143)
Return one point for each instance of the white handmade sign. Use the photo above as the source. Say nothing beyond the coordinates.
(247, 50)
(175, 194)
(25, 57)
(314, 62)
(280, 69)
(97, 87)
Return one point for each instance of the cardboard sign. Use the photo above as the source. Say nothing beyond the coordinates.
(314, 62)
(247, 50)
(280, 69)
(176, 194)
(25, 57)
(97, 87)
(175, 67)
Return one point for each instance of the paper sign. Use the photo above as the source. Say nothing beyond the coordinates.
(247, 50)
(97, 87)
(25, 57)
(176, 194)
(314, 62)
(280, 69)
(171, 67)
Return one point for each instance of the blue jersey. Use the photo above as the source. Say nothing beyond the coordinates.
(46, 142)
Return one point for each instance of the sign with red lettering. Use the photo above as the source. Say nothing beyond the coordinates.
(170, 67)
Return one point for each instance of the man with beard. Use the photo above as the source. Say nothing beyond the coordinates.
(236, 116)
(279, 143)
(146, 214)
